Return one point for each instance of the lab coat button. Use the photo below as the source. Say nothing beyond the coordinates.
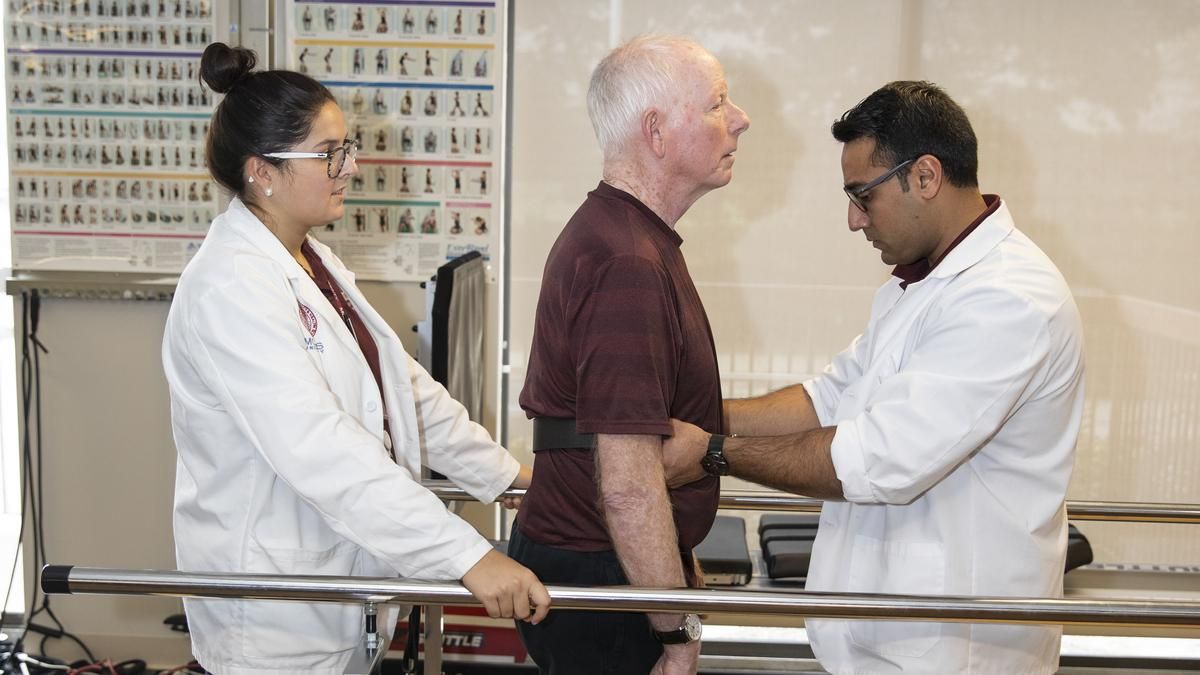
(371, 406)
(387, 442)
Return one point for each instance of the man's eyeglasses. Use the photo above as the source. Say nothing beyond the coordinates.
(856, 194)
(337, 157)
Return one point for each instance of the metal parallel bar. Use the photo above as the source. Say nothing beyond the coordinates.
(1135, 512)
(1089, 612)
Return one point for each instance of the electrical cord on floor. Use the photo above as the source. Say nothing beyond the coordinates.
(38, 663)
(105, 667)
(188, 668)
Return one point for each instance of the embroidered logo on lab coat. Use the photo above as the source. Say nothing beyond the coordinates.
(309, 319)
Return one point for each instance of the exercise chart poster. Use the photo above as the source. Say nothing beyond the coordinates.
(419, 83)
(106, 128)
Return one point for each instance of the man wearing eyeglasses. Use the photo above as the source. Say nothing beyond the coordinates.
(943, 437)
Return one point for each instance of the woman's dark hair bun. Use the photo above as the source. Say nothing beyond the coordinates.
(223, 66)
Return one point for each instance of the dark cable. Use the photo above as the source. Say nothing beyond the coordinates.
(31, 310)
(412, 644)
(28, 504)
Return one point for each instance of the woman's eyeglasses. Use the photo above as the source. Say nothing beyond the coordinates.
(336, 157)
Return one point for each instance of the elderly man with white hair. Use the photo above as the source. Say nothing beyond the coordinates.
(621, 346)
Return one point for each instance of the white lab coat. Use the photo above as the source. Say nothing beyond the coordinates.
(283, 466)
(957, 413)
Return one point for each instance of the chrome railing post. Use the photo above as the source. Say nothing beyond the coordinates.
(371, 612)
(434, 630)
(367, 658)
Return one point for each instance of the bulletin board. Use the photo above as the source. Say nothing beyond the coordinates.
(421, 84)
(106, 128)
(107, 125)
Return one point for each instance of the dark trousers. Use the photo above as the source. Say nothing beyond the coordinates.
(574, 642)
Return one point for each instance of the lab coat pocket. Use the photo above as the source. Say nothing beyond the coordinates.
(297, 632)
(913, 568)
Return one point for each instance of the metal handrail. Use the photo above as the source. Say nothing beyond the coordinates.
(1130, 512)
(1076, 612)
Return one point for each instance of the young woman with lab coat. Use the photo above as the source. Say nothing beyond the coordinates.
(300, 421)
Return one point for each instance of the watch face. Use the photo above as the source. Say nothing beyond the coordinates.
(714, 465)
(692, 626)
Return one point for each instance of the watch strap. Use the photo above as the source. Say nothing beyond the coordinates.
(716, 444)
(714, 462)
(678, 636)
(689, 631)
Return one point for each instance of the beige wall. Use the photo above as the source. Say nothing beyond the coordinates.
(1088, 119)
(1088, 115)
(108, 468)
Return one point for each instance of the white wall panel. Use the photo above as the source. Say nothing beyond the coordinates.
(1086, 115)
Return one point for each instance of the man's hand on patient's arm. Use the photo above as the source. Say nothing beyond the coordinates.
(633, 495)
(524, 476)
(682, 453)
(787, 411)
(800, 463)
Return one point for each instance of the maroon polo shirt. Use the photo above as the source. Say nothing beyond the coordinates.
(913, 272)
(621, 344)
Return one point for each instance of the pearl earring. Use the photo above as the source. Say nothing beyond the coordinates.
(249, 179)
(269, 191)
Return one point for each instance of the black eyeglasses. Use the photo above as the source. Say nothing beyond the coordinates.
(337, 157)
(856, 193)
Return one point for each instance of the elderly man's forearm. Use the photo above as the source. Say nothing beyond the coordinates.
(637, 511)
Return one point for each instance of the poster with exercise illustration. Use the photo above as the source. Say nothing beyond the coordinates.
(421, 84)
(106, 129)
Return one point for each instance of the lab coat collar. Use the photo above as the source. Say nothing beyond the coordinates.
(244, 223)
(993, 230)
